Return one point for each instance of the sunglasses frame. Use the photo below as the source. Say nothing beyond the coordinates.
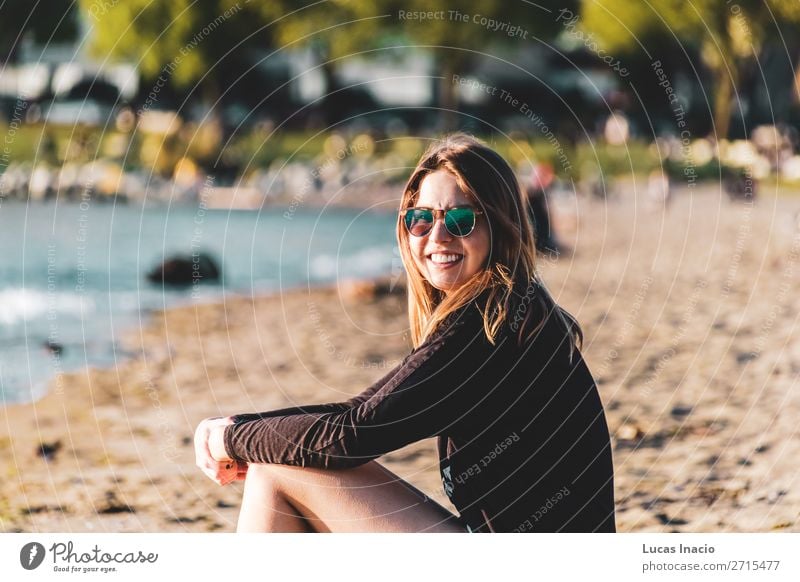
(440, 213)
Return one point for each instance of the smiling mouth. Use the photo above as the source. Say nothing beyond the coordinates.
(445, 260)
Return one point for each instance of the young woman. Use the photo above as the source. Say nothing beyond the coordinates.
(495, 375)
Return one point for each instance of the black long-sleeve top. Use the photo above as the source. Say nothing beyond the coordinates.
(522, 436)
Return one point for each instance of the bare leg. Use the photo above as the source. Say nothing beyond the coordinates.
(367, 498)
(265, 509)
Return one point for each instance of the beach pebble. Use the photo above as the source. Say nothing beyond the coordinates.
(114, 505)
(774, 496)
(48, 450)
(53, 347)
(629, 432)
(666, 520)
(367, 290)
(681, 410)
(744, 357)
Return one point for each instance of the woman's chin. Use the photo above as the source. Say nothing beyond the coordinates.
(444, 284)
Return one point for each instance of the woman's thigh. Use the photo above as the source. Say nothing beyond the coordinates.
(367, 498)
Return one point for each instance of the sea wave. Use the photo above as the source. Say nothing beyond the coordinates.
(25, 304)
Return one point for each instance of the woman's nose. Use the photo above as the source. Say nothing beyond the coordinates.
(439, 231)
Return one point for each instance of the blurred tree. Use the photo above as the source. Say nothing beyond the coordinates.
(730, 34)
(187, 41)
(153, 33)
(339, 28)
(43, 22)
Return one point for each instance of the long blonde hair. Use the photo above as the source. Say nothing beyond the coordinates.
(484, 176)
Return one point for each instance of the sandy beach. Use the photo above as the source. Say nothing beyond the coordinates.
(689, 315)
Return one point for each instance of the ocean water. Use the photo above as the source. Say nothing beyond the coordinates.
(73, 275)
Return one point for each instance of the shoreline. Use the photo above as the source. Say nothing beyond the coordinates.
(73, 315)
(94, 473)
(146, 315)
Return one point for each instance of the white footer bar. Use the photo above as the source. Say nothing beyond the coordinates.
(400, 557)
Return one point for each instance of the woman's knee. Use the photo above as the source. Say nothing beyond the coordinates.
(275, 475)
(287, 477)
(264, 473)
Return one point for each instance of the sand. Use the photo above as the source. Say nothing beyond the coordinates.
(689, 315)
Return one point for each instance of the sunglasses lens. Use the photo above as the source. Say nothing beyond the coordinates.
(419, 222)
(459, 221)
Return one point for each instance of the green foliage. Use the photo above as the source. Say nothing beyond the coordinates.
(727, 33)
(341, 28)
(153, 33)
(741, 26)
(344, 27)
(188, 41)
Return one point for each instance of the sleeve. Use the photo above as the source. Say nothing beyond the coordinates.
(322, 408)
(425, 395)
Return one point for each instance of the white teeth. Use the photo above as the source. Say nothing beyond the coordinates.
(442, 258)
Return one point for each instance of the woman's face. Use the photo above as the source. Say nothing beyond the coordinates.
(448, 261)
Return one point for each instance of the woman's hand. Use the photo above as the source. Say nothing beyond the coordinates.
(210, 454)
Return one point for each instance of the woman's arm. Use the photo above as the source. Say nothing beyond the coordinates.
(214, 447)
(322, 408)
(426, 394)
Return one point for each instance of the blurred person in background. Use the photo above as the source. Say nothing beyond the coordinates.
(541, 179)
